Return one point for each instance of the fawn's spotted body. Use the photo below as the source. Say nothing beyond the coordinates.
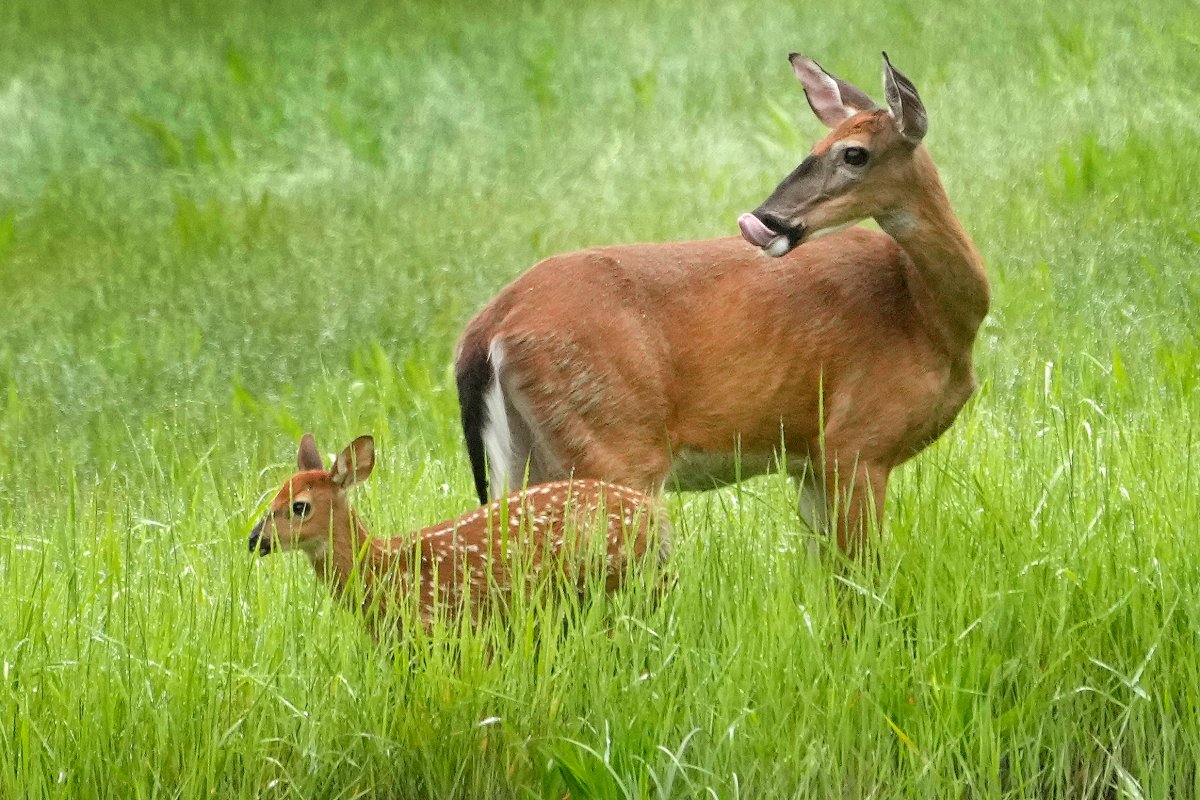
(546, 531)
(655, 363)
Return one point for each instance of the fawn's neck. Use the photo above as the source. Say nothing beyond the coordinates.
(354, 562)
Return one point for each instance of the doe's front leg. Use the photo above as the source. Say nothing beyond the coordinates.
(854, 501)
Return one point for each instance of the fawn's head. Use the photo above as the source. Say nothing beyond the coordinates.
(311, 503)
(863, 168)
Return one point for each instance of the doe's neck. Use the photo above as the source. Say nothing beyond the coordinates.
(947, 276)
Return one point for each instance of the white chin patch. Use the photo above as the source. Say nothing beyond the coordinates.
(779, 246)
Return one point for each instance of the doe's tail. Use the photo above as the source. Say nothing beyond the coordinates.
(473, 374)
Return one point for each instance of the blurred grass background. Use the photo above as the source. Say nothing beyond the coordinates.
(222, 224)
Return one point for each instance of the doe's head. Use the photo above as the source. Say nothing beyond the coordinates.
(863, 168)
(312, 502)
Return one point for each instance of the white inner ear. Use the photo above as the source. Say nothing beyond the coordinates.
(892, 94)
(823, 93)
(829, 86)
(341, 470)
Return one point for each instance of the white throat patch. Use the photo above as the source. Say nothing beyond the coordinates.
(817, 234)
(897, 223)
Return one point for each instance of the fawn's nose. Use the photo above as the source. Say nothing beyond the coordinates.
(259, 543)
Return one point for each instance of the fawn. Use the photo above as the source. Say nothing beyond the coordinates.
(457, 564)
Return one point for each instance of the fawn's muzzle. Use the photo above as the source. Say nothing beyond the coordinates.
(259, 543)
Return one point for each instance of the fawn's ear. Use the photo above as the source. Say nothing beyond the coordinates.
(308, 457)
(354, 464)
(832, 99)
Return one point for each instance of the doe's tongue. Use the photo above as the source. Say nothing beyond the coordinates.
(754, 231)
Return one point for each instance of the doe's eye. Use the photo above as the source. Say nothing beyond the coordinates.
(855, 156)
(301, 509)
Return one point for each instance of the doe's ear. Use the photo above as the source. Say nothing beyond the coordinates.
(831, 98)
(905, 103)
(354, 464)
(308, 456)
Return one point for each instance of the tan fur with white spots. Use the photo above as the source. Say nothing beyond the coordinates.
(550, 531)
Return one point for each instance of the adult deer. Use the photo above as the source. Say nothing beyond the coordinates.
(654, 362)
(457, 564)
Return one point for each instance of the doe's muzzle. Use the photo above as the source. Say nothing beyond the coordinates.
(770, 233)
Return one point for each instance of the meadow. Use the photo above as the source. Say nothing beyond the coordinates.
(223, 224)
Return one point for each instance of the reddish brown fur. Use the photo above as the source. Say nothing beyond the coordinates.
(460, 563)
(629, 354)
(868, 124)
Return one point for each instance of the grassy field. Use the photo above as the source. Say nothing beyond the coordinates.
(221, 226)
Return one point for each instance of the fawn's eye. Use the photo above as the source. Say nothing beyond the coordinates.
(301, 509)
(855, 156)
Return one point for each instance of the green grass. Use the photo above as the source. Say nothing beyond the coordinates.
(221, 226)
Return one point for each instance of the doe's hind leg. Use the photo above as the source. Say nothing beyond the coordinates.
(641, 467)
(813, 506)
